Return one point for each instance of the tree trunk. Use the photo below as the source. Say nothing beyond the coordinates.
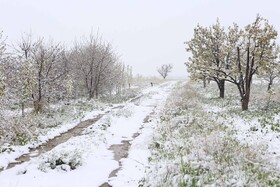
(222, 88)
(38, 106)
(96, 93)
(204, 82)
(91, 94)
(245, 103)
(245, 100)
(269, 84)
(22, 109)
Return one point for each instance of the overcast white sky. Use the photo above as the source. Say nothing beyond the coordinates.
(147, 33)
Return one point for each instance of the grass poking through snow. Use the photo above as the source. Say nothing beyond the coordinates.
(205, 141)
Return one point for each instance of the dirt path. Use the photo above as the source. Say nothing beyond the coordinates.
(76, 131)
(35, 152)
(116, 156)
(52, 143)
(121, 151)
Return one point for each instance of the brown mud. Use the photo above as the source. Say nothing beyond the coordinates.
(121, 150)
(52, 143)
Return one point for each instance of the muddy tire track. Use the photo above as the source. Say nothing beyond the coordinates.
(52, 143)
(121, 150)
(62, 138)
(35, 152)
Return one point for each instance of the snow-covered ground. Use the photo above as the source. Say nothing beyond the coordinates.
(7, 157)
(86, 160)
(203, 140)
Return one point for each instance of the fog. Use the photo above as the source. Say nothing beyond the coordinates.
(145, 33)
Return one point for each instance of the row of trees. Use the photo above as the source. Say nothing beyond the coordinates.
(234, 55)
(38, 72)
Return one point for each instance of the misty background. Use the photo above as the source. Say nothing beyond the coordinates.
(145, 33)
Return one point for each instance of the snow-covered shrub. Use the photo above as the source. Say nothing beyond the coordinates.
(18, 130)
(6, 149)
(100, 126)
(65, 160)
(20, 138)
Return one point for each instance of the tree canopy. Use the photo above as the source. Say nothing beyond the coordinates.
(234, 55)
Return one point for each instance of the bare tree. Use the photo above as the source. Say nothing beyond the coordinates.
(93, 60)
(164, 70)
(36, 71)
(51, 68)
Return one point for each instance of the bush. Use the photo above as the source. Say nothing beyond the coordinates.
(62, 160)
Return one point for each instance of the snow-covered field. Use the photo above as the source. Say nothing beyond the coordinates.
(207, 141)
(87, 160)
(176, 134)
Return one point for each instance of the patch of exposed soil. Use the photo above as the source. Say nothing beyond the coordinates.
(35, 152)
(106, 184)
(121, 150)
(75, 131)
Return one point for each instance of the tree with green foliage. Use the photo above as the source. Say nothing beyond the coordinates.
(25, 71)
(272, 71)
(254, 55)
(211, 50)
(234, 56)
